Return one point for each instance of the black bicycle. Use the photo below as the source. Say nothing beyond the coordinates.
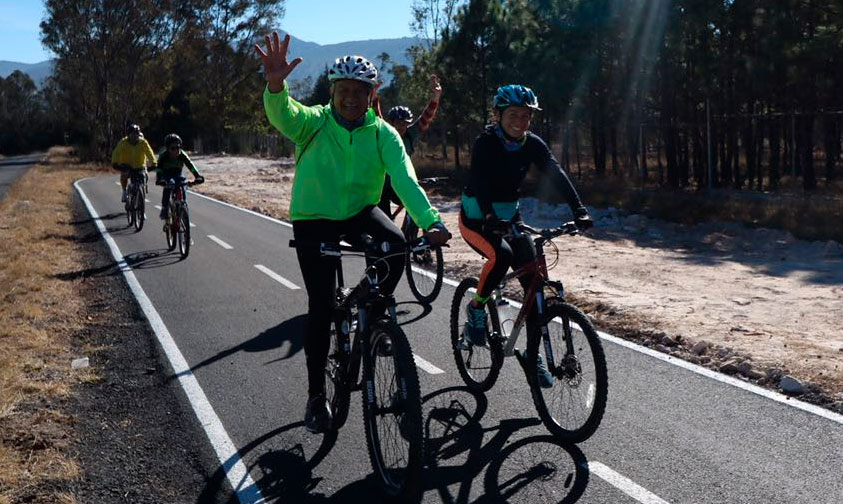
(136, 198)
(564, 363)
(177, 223)
(389, 383)
(425, 269)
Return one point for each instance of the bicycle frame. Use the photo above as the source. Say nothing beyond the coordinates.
(533, 296)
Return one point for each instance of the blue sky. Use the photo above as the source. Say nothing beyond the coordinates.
(320, 21)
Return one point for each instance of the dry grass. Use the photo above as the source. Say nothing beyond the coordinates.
(38, 316)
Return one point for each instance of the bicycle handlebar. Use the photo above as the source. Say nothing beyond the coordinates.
(369, 246)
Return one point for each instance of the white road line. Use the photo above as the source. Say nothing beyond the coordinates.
(158, 207)
(117, 182)
(262, 216)
(220, 242)
(147, 200)
(239, 477)
(625, 484)
(755, 389)
(426, 366)
(192, 225)
(722, 378)
(275, 276)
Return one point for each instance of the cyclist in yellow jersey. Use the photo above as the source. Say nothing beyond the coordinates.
(132, 153)
(343, 152)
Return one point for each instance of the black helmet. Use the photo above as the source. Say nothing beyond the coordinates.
(400, 113)
(172, 139)
(133, 128)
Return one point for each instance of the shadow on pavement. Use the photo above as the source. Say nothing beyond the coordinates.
(460, 454)
(459, 450)
(408, 312)
(291, 330)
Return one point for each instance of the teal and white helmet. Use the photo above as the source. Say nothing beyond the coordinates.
(354, 68)
(516, 95)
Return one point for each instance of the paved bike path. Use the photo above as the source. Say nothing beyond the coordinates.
(13, 167)
(669, 435)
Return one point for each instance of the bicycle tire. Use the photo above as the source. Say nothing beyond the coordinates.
(337, 386)
(424, 288)
(139, 208)
(479, 367)
(392, 414)
(130, 214)
(183, 232)
(170, 229)
(573, 407)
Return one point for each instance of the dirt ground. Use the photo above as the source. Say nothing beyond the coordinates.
(755, 303)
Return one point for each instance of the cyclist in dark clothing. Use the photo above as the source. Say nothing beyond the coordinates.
(171, 161)
(500, 158)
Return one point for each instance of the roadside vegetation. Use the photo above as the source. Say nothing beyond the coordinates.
(39, 316)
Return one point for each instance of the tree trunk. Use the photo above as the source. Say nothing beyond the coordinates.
(775, 147)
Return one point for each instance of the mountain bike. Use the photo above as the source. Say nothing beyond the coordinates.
(389, 382)
(136, 198)
(177, 223)
(564, 363)
(425, 269)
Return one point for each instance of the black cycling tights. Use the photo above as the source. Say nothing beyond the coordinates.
(320, 277)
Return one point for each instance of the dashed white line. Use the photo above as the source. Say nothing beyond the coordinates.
(192, 225)
(426, 366)
(147, 200)
(158, 207)
(227, 453)
(275, 276)
(220, 242)
(625, 484)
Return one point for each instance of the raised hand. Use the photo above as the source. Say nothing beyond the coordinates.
(274, 59)
(435, 88)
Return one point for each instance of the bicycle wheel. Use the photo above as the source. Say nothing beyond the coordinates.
(571, 406)
(183, 231)
(170, 228)
(130, 214)
(479, 366)
(424, 269)
(392, 412)
(139, 205)
(337, 388)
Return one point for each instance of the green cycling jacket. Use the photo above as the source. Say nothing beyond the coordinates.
(340, 172)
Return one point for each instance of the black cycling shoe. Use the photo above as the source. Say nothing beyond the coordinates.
(317, 415)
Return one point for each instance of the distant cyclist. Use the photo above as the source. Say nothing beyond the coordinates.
(131, 153)
(401, 118)
(500, 158)
(343, 152)
(171, 161)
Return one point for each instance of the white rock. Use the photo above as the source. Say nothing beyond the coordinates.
(80, 363)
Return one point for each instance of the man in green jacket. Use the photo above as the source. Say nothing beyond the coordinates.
(343, 153)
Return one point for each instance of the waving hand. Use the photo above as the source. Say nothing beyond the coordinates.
(275, 64)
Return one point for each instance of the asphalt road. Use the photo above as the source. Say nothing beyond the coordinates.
(670, 434)
(13, 167)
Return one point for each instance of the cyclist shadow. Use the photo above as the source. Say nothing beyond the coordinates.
(155, 258)
(284, 474)
(138, 260)
(408, 312)
(531, 469)
(291, 330)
